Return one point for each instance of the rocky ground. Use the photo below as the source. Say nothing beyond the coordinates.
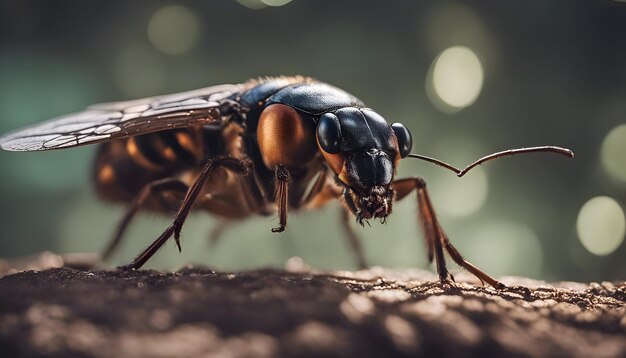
(298, 312)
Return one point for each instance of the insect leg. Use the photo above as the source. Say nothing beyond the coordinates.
(145, 193)
(281, 179)
(318, 187)
(435, 234)
(236, 165)
(353, 239)
(403, 188)
(458, 258)
(253, 200)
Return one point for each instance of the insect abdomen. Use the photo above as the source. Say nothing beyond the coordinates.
(124, 167)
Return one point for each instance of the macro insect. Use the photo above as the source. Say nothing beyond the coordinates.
(264, 146)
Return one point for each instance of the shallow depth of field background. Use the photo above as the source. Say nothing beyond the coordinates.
(467, 78)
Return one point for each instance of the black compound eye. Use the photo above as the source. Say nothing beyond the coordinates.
(329, 133)
(405, 141)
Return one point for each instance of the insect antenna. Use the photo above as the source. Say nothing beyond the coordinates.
(505, 153)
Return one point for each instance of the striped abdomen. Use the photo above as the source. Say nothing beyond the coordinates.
(124, 167)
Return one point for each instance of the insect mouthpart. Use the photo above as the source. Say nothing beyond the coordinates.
(375, 202)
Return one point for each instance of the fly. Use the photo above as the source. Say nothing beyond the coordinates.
(252, 148)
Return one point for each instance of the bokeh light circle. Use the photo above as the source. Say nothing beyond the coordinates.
(601, 225)
(174, 29)
(613, 151)
(276, 3)
(252, 4)
(456, 78)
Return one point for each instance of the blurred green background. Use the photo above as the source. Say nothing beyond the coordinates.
(467, 78)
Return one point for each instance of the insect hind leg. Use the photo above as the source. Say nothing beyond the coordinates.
(238, 166)
(149, 190)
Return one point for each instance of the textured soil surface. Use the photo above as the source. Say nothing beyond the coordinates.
(297, 312)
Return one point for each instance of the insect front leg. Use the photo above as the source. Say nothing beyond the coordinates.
(150, 189)
(281, 190)
(235, 165)
(436, 239)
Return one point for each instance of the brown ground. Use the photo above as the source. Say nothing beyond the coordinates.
(297, 312)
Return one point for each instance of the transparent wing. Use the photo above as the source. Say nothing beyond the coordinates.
(108, 121)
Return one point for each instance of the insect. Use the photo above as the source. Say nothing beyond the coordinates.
(264, 146)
